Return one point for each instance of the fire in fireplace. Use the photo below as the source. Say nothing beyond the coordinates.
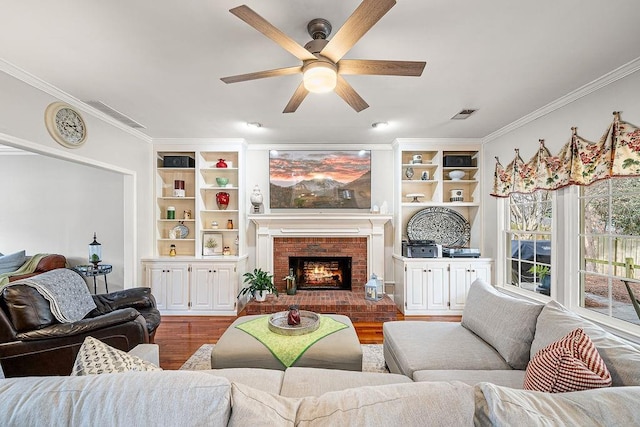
(322, 273)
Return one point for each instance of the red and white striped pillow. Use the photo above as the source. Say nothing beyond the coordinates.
(569, 364)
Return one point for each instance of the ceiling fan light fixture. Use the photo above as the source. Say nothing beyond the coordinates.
(319, 77)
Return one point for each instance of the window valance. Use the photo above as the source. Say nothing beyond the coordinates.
(579, 162)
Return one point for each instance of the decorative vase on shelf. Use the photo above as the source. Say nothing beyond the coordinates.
(221, 163)
(456, 175)
(409, 172)
(222, 199)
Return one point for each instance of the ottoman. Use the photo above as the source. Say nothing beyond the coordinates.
(238, 349)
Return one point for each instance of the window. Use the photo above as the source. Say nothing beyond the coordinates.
(610, 248)
(528, 232)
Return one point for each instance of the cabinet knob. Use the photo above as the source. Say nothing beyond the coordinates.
(429, 270)
(210, 271)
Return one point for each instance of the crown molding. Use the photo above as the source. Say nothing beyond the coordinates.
(43, 86)
(617, 74)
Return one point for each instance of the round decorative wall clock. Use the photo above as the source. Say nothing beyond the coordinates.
(65, 125)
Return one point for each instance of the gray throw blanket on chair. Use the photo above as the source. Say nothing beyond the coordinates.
(66, 292)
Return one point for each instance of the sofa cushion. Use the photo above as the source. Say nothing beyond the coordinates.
(300, 382)
(269, 380)
(569, 364)
(386, 405)
(96, 357)
(621, 357)
(506, 323)
(413, 345)
(12, 262)
(27, 308)
(505, 377)
(502, 406)
(169, 398)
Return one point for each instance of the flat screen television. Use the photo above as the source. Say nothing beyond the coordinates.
(320, 179)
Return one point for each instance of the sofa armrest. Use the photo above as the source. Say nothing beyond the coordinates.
(138, 298)
(148, 352)
(85, 325)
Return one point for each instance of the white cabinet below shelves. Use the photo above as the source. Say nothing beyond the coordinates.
(184, 288)
(436, 286)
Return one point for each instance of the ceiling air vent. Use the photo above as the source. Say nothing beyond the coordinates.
(463, 114)
(99, 105)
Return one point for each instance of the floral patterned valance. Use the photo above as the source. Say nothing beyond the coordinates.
(579, 162)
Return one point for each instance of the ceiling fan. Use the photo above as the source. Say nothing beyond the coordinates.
(322, 64)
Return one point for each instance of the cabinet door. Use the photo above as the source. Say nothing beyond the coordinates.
(459, 285)
(437, 287)
(202, 287)
(177, 277)
(224, 290)
(416, 286)
(480, 270)
(156, 280)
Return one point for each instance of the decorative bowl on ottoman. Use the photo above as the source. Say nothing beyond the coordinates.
(309, 322)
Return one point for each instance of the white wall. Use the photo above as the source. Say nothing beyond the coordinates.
(591, 114)
(57, 210)
(108, 148)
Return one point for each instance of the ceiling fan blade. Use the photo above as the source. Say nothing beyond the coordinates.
(381, 68)
(361, 20)
(297, 98)
(259, 23)
(262, 74)
(349, 94)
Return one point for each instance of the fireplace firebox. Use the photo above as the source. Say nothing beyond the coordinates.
(321, 273)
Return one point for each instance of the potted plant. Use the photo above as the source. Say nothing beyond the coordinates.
(541, 273)
(260, 284)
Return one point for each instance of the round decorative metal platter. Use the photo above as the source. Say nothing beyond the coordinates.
(181, 230)
(444, 226)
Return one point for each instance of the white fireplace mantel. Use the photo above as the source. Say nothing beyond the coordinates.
(371, 226)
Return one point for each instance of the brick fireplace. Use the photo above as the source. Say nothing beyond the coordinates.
(326, 247)
(359, 236)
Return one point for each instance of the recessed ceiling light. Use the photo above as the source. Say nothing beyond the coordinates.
(464, 114)
(379, 125)
(254, 125)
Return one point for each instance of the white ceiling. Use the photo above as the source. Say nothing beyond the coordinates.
(160, 62)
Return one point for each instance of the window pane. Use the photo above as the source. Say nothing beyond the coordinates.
(529, 241)
(611, 247)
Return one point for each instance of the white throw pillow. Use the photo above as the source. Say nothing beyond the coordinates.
(96, 357)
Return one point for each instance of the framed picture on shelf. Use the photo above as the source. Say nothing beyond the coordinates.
(211, 243)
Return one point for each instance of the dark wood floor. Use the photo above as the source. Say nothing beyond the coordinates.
(180, 336)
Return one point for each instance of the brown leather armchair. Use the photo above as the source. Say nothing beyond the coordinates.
(34, 343)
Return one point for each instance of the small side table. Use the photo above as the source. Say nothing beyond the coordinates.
(93, 271)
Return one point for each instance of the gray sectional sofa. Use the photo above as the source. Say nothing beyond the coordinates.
(447, 374)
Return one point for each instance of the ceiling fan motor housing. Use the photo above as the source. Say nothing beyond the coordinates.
(319, 28)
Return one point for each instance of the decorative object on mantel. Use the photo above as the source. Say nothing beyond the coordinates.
(256, 199)
(222, 200)
(416, 197)
(579, 162)
(444, 226)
